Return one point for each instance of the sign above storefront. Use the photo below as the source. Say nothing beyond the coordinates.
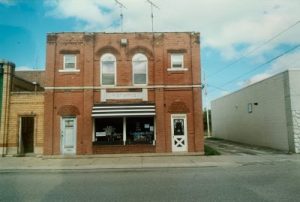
(143, 95)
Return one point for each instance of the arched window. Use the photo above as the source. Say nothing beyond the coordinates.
(108, 69)
(139, 69)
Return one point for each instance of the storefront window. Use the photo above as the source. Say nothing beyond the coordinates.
(109, 131)
(139, 130)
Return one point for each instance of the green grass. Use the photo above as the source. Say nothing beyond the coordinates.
(210, 151)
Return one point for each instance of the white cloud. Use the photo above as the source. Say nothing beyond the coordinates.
(223, 24)
(94, 13)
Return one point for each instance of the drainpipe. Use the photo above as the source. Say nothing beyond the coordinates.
(7, 70)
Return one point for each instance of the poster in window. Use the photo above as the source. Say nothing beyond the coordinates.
(151, 128)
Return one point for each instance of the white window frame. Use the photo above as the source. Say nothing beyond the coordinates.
(115, 69)
(133, 60)
(70, 69)
(172, 68)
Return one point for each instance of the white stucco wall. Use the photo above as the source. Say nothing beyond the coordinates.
(265, 126)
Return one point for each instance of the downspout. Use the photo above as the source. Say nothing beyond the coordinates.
(6, 110)
(193, 91)
(53, 94)
(3, 138)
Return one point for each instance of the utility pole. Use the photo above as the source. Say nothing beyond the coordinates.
(207, 111)
(121, 13)
(152, 16)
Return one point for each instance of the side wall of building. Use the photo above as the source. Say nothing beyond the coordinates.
(254, 115)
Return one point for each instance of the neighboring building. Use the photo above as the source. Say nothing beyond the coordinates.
(266, 113)
(123, 93)
(22, 112)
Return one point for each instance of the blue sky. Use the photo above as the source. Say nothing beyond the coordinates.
(237, 37)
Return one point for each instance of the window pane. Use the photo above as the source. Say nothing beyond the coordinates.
(139, 130)
(178, 125)
(140, 78)
(140, 67)
(69, 65)
(108, 79)
(69, 61)
(177, 65)
(108, 67)
(109, 131)
(177, 60)
(70, 58)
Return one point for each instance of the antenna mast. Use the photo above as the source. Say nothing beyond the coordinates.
(152, 5)
(121, 14)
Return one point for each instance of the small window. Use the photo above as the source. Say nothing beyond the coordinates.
(108, 69)
(250, 109)
(139, 69)
(177, 61)
(69, 62)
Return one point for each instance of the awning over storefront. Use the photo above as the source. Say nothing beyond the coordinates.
(115, 110)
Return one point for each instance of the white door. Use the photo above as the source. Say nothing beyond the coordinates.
(68, 135)
(179, 132)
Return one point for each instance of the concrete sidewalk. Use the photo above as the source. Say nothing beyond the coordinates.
(136, 161)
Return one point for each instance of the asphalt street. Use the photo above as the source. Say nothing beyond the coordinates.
(260, 181)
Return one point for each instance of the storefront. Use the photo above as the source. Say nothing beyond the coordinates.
(130, 124)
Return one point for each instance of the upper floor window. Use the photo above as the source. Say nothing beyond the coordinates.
(70, 62)
(108, 69)
(139, 69)
(177, 61)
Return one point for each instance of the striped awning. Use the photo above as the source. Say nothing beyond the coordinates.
(117, 110)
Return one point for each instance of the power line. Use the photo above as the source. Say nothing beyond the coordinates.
(215, 87)
(255, 49)
(261, 65)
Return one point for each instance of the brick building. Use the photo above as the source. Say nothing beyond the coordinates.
(123, 93)
(22, 111)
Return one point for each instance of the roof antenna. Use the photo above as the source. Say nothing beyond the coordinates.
(121, 14)
(152, 5)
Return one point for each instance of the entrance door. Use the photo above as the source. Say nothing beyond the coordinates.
(68, 135)
(26, 135)
(179, 132)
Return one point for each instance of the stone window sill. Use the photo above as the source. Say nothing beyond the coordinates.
(177, 70)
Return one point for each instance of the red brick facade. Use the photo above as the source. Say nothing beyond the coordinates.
(75, 93)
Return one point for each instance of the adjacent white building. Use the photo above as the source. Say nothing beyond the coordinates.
(266, 113)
